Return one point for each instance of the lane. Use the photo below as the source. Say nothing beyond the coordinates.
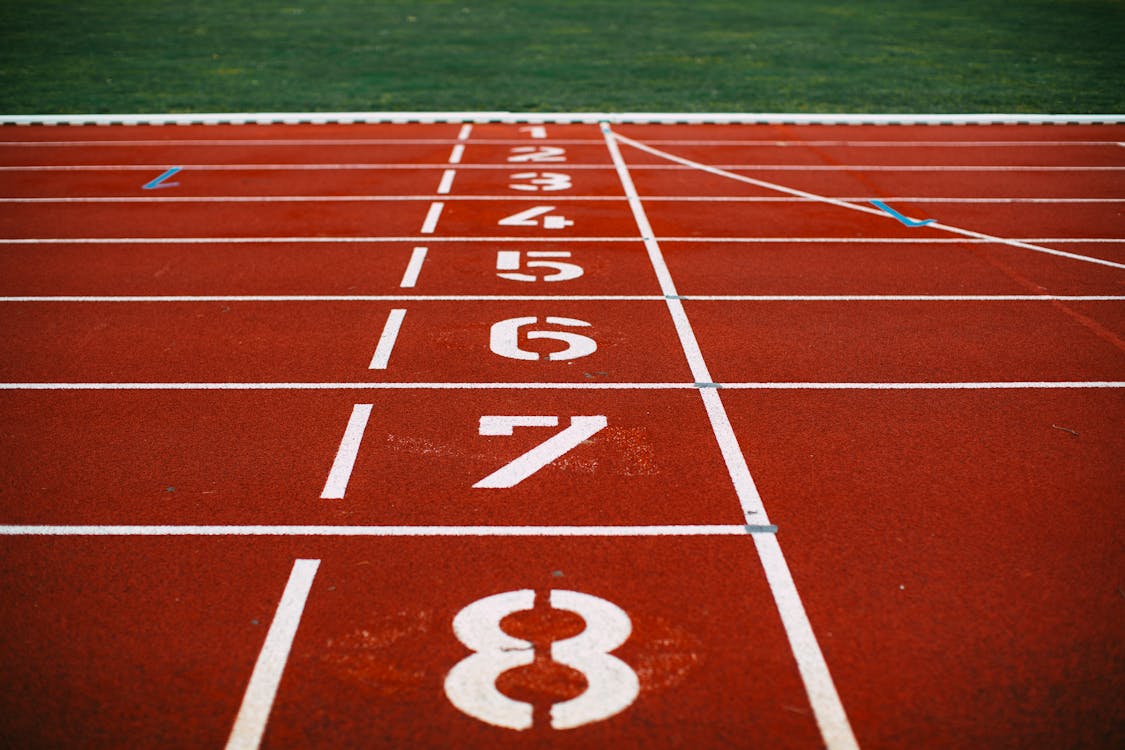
(160, 457)
(323, 268)
(960, 551)
(910, 341)
(376, 636)
(675, 219)
(342, 182)
(325, 219)
(882, 133)
(334, 341)
(888, 268)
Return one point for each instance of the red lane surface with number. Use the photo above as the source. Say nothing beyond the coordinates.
(417, 435)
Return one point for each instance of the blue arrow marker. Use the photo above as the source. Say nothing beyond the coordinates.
(159, 182)
(907, 221)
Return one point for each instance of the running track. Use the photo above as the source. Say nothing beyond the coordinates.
(692, 444)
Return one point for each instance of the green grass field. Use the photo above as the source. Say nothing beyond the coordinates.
(126, 56)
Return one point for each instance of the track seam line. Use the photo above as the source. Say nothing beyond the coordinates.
(831, 718)
(853, 206)
(385, 531)
(415, 263)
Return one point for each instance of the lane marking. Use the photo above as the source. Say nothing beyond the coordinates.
(413, 268)
(465, 132)
(387, 339)
(854, 206)
(420, 166)
(555, 198)
(526, 240)
(456, 154)
(432, 216)
(160, 182)
(446, 183)
(344, 462)
(389, 531)
(258, 700)
(419, 254)
(904, 219)
(243, 142)
(828, 710)
(579, 386)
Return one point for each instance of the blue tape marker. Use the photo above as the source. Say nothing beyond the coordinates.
(159, 182)
(905, 220)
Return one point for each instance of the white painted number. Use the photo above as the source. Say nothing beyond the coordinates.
(556, 446)
(612, 685)
(534, 181)
(535, 131)
(537, 154)
(508, 265)
(503, 339)
(530, 218)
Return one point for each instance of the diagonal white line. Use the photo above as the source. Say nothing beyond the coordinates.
(852, 206)
(257, 702)
(831, 718)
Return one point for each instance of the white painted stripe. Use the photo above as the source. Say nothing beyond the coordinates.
(753, 509)
(465, 132)
(342, 465)
(422, 166)
(858, 207)
(829, 711)
(413, 268)
(384, 531)
(243, 142)
(683, 327)
(583, 386)
(593, 118)
(527, 240)
(258, 700)
(834, 726)
(432, 216)
(456, 153)
(412, 275)
(129, 199)
(387, 340)
(446, 183)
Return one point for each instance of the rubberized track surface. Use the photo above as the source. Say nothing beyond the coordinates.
(290, 432)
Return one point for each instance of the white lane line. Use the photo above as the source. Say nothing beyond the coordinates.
(830, 715)
(258, 700)
(446, 183)
(413, 268)
(465, 132)
(432, 216)
(242, 142)
(344, 462)
(854, 206)
(828, 710)
(387, 339)
(128, 199)
(527, 240)
(456, 153)
(416, 261)
(577, 386)
(351, 166)
(386, 531)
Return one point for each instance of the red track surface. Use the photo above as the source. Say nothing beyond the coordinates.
(932, 421)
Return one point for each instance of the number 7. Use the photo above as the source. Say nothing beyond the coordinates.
(520, 468)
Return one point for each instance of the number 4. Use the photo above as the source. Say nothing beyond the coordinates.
(522, 467)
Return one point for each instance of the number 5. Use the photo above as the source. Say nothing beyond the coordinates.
(508, 264)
